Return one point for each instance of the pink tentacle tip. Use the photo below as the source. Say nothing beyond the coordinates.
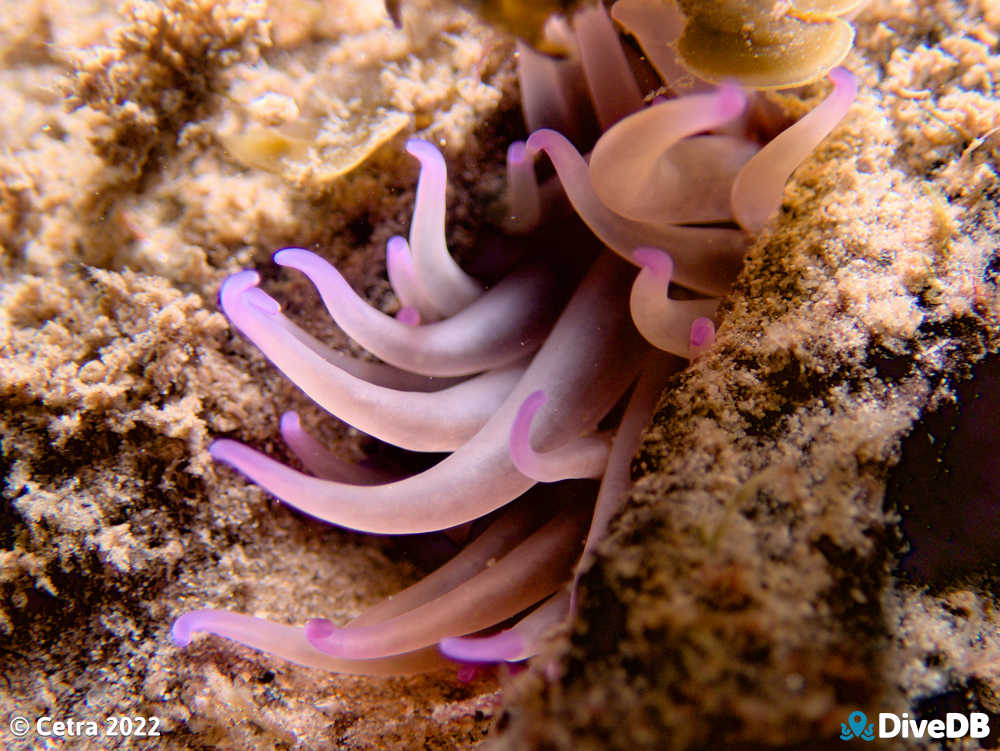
(844, 81)
(222, 450)
(319, 629)
(263, 302)
(702, 336)
(655, 260)
(425, 151)
(297, 258)
(290, 422)
(234, 286)
(731, 98)
(517, 153)
(501, 647)
(180, 632)
(539, 140)
(409, 316)
(189, 623)
(397, 246)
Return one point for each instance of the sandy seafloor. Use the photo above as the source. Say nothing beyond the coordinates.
(751, 594)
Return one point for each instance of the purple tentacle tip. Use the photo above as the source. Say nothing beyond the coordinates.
(517, 153)
(180, 632)
(732, 99)
(500, 647)
(844, 80)
(656, 260)
(318, 629)
(409, 316)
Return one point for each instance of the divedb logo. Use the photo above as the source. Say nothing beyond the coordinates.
(954, 725)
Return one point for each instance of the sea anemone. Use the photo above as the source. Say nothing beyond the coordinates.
(517, 381)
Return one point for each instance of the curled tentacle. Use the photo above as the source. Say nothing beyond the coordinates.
(507, 323)
(642, 168)
(665, 322)
(437, 421)
(757, 189)
(375, 373)
(708, 258)
(530, 572)
(578, 459)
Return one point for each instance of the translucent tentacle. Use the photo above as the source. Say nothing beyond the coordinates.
(612, 86)
(323, 463)
(524, 202)
(376, 373)
(449, 288)
(577, 459)
(480, 477)
(507, 323)
(550, 96)
(631, 167)
(503, 535)
(530, 572)
(514, 644)
(759, 186)
(665, 322)
(290, 643)
(708, 259)
(403, 278)
(437, 421)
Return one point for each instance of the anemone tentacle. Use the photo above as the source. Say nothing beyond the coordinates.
(504, 534)
(577, 459)
(403, 279)
(436, 421)
(549, 96)
(524, 202)
(612, 86)
(533, 570)
(708, 258)
(479, 477)
(448, 288)
(642, 184)
(664, 322)
(757, 189)
(323, 463)
(290, 643)
(505, 324)
(519, 642)
(375, 373)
